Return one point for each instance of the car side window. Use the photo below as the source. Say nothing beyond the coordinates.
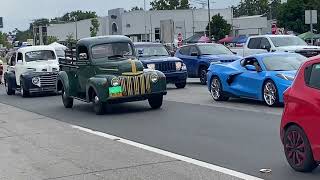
(13, 60)
(312, 74)
(83, 54)
(185, 50)
(251, 61)
(20, 57)
(254, 43)
(264, 43)
(193, 49)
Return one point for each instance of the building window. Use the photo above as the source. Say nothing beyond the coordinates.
(114, 28)
(157, 35)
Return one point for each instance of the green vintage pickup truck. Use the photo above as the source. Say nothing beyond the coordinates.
(104, 71)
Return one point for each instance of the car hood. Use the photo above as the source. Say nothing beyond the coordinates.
(43, 66)
(123, 67)
(222, 57)
(298, 48)
(158, 59)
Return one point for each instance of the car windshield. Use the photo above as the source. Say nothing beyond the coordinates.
(112, 50)
(287, 41)
(42, 55)
(60, 53)
(288, 62)
(151, 50)
(214, 49)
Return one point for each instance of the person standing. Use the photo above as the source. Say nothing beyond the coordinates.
(1, 71)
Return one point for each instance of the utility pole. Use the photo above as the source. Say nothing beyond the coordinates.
(145, 21)
(209, 16)
(311, 27)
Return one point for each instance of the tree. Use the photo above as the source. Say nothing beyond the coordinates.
(169, 4)
(78, 16)
(23, 36)
(95, 27)
(291, 15)
(219, 27)
(3, 40)
(257, 7)
(52, 39)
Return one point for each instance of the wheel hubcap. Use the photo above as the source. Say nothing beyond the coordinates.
(295, 148)
(215, 89)
(269, 93)
(96, 100)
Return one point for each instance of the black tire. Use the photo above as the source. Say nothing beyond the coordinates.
(181, 85)
(156, 101)
(98, 106)
(8, 87)
(23, 91)
(67, 101)
(272, 99)
(203, 75)
(216, 90)
(298, 150)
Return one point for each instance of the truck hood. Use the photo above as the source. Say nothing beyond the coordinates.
(124, 67)
(298, 48)
(221, 57)
(43, 66)
(159, 59)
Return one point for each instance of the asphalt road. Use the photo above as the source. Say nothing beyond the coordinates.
(239, 135)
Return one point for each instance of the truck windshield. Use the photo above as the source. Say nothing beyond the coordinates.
(214, 49)
(112, 50)
(151, 50)
(287, 41)
(42, 55)
(288, 62)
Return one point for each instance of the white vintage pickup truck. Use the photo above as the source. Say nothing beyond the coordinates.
(32, 69)
(276, 43)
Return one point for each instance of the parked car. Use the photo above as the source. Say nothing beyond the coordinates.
(300, 121)
(156, 57)
(32, 69)
(262, 77)
(277, 43)
(198, 58)
(104, 70)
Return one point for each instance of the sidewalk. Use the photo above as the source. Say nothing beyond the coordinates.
(34, 147)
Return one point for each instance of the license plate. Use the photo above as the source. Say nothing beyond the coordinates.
(115, 91)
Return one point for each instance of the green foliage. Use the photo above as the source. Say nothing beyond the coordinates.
(256, 7)
(219, 27)
(95, 27)
(52, 39)
(136, 8)
(77, 16)
(169, 4)
(3, 40)
(23, 36)
(291, 15)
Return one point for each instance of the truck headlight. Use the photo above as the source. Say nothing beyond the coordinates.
(36, 81)
(115, 82)
(151, 66)
(154, 78)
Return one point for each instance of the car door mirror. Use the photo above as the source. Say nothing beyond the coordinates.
(267, 47)
(194, 54)
(250, 68)
(83, 56)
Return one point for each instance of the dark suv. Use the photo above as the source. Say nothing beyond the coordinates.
(156, 57)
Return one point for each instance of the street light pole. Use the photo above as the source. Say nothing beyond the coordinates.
(145, 22)
(209, 16)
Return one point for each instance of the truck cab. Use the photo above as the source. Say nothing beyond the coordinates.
(32, 70)
(103, 71)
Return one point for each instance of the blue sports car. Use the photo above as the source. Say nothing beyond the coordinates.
(262, 77)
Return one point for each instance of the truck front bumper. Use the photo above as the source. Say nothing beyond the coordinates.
(42, 89)
(176, 77)
(133, 98)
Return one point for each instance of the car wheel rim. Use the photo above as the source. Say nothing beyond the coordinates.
(295, 148)
(215, 89)
(269, 93)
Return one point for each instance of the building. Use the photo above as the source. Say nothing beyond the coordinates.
(162, 25)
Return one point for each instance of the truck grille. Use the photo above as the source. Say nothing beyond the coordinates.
(135, 85)
(48, 80)
(166, 66)
(308, 53)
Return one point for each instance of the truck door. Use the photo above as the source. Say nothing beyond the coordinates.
(85, 69)
(254, 46)
(19, 67)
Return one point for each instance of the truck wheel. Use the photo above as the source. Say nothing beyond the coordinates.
(181, 85)
(67, 101)
(24, 93)
(156, 101)
(9, 89)
(98, 106)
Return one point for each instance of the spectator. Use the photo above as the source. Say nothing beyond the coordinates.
(1, 71)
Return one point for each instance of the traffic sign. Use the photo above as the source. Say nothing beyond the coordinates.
(311, 16)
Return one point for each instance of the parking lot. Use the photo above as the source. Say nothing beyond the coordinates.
(240, 135)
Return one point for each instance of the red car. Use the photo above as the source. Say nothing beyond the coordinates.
(300, 125)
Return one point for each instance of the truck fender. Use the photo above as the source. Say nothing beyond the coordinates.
(63, 81)
(97, 85)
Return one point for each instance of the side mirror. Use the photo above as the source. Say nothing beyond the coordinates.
(268, 48)
(194, 54)
(83, 56)
(250, 68)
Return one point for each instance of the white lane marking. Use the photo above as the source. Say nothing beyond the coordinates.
(170, 154)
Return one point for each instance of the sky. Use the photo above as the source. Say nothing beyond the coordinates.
(20, 13)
